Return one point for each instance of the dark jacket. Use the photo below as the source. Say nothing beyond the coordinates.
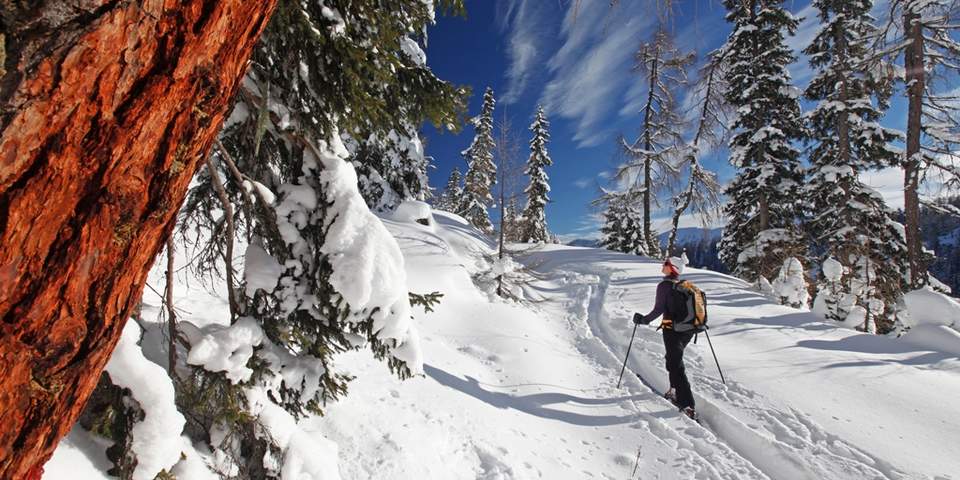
(660, 304)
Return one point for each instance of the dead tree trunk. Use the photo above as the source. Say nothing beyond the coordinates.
(915, 78)
(107, 109)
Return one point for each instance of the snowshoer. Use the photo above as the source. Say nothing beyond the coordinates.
(674, 342)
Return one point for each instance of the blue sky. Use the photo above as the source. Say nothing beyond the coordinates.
(576, 63)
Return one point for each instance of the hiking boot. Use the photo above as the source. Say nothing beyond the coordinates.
(671, 395)
(690, 412)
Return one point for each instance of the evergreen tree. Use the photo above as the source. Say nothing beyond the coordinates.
(534, 228)
(763, 199)
(452, 194)
(391, 168)
(850, 222)
(321, 68)
(512, 220)
(663, 67)
(790, 285)
(482, 172)
(832, 301)
(622, 229)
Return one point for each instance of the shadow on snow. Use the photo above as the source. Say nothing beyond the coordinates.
(534, 404)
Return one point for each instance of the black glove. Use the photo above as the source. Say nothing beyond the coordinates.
(638, 319)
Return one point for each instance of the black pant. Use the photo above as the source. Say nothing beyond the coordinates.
(675, 342)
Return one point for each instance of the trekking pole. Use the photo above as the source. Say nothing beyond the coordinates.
(637, 463)
(714, 356)
(628, 354)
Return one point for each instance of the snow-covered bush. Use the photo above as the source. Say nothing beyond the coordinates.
(134, 407)
(156, 439)
(503, 278)
(844, 296)
(831, 302)
(763, 286)
(790, 286)
(765, 254)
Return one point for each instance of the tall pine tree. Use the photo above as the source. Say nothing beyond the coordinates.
(763, 200)
(482, 172)
(849, 221)
(534, 227)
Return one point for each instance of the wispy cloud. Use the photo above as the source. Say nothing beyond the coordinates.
(522, 21)
(589, 72)
(583, 182)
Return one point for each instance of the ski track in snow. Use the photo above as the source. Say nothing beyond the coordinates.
(771, 442)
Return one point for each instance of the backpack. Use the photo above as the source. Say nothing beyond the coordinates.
(687, 307)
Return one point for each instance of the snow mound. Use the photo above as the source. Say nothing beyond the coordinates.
(934, 337)
(413, 211)
(305, 456)
(928, 307)
(156, 440)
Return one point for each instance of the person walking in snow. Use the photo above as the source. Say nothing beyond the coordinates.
(673, 342)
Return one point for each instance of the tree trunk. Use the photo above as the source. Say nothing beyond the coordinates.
(913, 64)
(648, 146)
(107, 109)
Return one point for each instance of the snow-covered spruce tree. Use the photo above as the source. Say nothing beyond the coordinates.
(481, 172)
(534, 227)
(849, 222)
(622, 229)
(322, 275)
(450, 197)
(832, 302)
(925, 33)
(763, 200)
(790, 285)
(703, 190)
(664, 70)
(512, 221)
(391, 168)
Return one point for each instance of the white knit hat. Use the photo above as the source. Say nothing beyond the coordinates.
(677, 264)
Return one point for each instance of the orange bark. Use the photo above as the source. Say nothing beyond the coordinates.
(108, 108)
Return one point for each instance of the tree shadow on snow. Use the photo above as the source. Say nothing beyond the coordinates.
(798, 320)
(873, 344)
(534, 404)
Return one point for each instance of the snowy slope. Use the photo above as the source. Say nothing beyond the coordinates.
(529, 391)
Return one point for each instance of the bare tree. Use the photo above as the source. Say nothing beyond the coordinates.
(651, 155)
(924, 32)
(703, 189)
(507, 150)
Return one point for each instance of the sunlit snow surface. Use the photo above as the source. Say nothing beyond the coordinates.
(529, 391)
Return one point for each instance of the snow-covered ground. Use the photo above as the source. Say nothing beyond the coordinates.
(526, 391)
